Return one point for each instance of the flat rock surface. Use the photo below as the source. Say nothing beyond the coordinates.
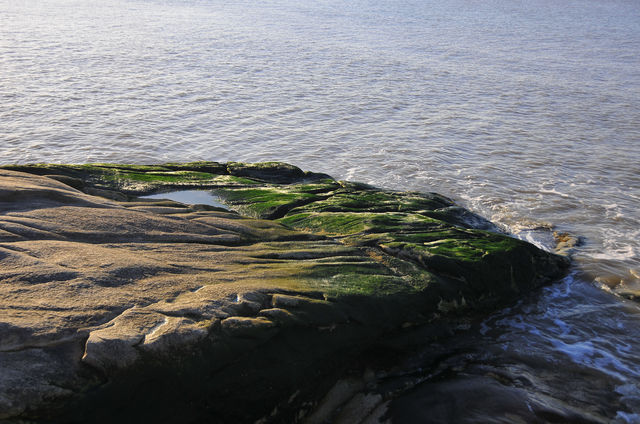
(110, 304)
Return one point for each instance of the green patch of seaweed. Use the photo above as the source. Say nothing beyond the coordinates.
(327, 223)
(372, 200)
(472, 249)
(91, 167)
(316, 187)
(349, 223)
(161, 177)
(272, 172)
(265, 202)
(230, 180)
(338, 280)
(462, 246)
(369, 285)
(201, 166)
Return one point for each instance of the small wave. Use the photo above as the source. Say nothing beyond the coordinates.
(351, 173)
(626, 418)
(541, 237)
(587, 353)
(621, 253)
(630, 397)
(554, 192)
(557, 321)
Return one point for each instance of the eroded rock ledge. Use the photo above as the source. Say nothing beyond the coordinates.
(116, 308)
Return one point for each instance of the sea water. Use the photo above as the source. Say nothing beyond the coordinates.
(526, 112)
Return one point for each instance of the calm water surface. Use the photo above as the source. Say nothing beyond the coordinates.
(527, 112)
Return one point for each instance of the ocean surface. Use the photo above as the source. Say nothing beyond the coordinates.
(526, 112)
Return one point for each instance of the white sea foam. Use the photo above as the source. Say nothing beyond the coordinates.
(621, 253)
(555, 192)
(626, 418)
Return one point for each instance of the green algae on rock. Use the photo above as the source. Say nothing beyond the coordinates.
(116, 307)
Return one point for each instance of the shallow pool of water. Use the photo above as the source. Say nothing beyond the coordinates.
(190, 197)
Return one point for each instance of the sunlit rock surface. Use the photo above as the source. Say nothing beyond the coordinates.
(118, 308)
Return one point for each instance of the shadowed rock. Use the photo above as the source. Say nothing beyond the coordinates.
(114, 308)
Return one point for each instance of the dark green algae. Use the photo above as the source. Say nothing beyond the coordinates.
(409, 240)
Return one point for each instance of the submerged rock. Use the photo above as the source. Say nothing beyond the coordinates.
(118, 309)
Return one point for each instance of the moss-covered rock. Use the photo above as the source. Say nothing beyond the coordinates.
(272, 172)
(117, 308)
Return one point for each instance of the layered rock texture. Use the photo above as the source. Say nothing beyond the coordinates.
(116, 308)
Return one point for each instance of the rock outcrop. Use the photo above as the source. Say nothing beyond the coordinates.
(115, 308)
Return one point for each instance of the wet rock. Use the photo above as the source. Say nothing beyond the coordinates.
(566, 244)
(273, 172)
(76, 183)
(118, 311)
(456, 400)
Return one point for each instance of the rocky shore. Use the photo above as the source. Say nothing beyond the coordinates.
(120, 308)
